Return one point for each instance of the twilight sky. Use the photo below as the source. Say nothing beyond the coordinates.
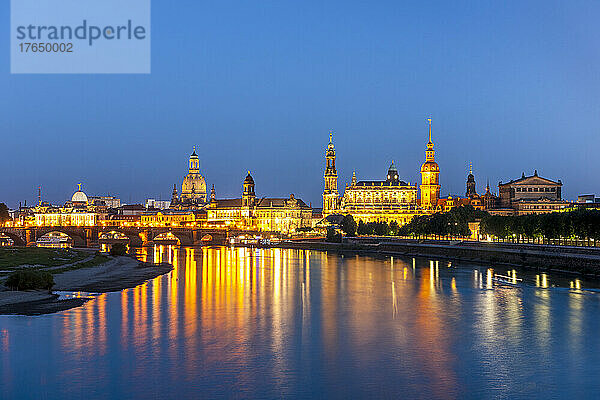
(511, 86)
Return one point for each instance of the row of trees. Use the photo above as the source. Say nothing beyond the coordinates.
(582, 224)
(579, 224)
(452, 223)
(351, 228)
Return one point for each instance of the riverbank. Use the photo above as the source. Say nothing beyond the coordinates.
(558, 258)
(117, 273)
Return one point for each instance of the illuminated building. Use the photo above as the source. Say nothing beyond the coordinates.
(265, 213)
(169, 218)
(331, 196)
(193, 187)
(529, 188)
(530, 195)
(430, 177)
(471, 197)
(381, 201)
(76, 212)
(66, 217)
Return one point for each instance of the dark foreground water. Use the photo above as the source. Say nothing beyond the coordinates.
(287, 323)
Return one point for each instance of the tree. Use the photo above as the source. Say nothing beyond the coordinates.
(348, 225)
(4, 217)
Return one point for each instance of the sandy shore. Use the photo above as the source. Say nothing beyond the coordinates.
(117, 274)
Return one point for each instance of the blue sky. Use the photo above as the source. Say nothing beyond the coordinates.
(511, 87)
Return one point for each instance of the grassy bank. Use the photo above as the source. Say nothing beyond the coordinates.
(55, 261)
(13, 257)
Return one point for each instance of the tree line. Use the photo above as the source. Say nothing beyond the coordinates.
(581, 223)
(452, 223)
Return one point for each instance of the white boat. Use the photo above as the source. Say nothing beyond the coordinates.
(506, 280)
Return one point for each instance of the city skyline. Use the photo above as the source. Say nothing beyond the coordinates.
(343, 182)
(257, 84)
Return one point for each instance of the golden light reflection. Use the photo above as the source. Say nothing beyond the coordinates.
(232, 295)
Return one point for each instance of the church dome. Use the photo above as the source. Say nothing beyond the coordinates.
(430, 166)
(249, 180)
(79, 197)
(392, 174)
(193, 186)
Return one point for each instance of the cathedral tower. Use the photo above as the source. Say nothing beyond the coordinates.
(471, 190)
(248, 195)
(430, 177)
(330, 192)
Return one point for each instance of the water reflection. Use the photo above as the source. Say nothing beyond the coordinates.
(279, 323)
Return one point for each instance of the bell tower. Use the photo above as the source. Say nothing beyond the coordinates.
(194, 163)
(430, 177)
(471, 190)
(248, 195)
(330, 191)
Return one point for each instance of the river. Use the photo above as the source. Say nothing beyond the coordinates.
(297, 324)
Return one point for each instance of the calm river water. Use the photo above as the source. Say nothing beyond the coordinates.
(289, 323)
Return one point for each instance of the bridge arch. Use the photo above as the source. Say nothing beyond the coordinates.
(167, 238)
(17, 240)
(77, 235)
(118, 235)
(57, 238)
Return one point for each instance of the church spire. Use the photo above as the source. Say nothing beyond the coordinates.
(430, 143)
(330, 192)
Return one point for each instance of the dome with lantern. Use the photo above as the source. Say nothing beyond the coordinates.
(79, 198)
(193, 187)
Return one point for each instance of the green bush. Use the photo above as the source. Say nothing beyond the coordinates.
(118, 249)
(29, 279)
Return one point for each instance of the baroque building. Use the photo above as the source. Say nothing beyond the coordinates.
(193, 187)
(75, 212)
(381, 201)
(264, 214)
(389, 200)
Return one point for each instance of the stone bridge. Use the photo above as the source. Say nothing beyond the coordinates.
(93, 236)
